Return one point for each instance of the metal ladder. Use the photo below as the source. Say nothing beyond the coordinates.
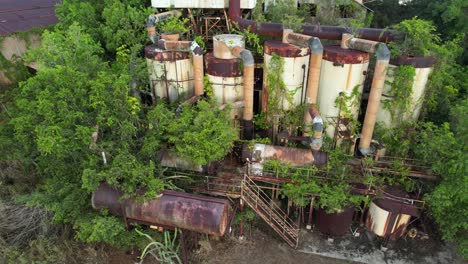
(263, 205)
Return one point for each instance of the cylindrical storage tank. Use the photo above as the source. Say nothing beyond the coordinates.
(423, 67)
(223, 44)
(343, 71)
(225, 76)
(294, 74)
(390, 215)
(335, 224)
(173, 209)
(170, 74)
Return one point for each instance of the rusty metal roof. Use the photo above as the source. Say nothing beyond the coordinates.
(23, 15)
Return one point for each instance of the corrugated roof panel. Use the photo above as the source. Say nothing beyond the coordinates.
(22, 15)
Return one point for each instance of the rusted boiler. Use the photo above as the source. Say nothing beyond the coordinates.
(171, 209)
(390, 215)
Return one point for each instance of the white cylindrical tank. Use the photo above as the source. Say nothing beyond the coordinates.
(343, 71)
(294, 75)
(423, 69)
(170, 74)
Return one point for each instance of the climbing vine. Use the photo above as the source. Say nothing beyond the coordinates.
(401, 90)
(347, 105)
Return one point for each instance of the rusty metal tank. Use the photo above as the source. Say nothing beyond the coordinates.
(170, 208)
(224, 72)
(342, 71)
(294, 75)
(335, 224)
(225, 76)
(170, 74)
(423, 67)
(390, 215)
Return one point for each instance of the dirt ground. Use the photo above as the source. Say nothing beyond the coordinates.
(261, 248)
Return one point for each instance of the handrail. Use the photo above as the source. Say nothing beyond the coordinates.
(274, 208)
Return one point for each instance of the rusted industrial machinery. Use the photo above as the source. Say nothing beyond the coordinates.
(172, 209)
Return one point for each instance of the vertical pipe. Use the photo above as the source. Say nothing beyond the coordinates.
(248, 86)
(198, 73)
(311, 210)
(315, 65)
(383, 58)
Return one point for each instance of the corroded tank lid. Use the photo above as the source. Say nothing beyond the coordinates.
(396, 200)
(417, 62)
(222, 67)
(335, 53)
(152, 52)
(223, 44)
(284, 50)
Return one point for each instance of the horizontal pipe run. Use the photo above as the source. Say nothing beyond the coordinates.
(319, 31)
(155, 18)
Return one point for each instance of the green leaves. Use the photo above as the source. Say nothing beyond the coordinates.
(201, 133)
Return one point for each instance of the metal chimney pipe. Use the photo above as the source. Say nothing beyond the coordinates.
(312, 116)
(380, 72)
(383, 58)
(248, 86)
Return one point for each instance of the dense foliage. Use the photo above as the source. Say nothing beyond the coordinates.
(80, 120)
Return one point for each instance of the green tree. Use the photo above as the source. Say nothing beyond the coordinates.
(201, 133)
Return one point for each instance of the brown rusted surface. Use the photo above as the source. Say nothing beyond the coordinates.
(417, 62)
(294, 156)
(298, 39)
(284, 49)
(106, 198)
(198, 74)
(363, 45)
(178, 45)
(174, 209)
(222, 67)
(336, 224)
(248, 87)
(380, 72)
(397, 201)
(335, 53)
(152, 52)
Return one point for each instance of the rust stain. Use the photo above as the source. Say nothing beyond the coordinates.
(335, 53)
(152, 52)
(417, 62)
(348, 79)
(174, 209)
(222, 67)
(284, 49)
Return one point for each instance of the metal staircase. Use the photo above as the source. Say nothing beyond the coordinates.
(262, 204)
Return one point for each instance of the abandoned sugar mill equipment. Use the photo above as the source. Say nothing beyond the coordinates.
(325, 78)
(206, 215)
